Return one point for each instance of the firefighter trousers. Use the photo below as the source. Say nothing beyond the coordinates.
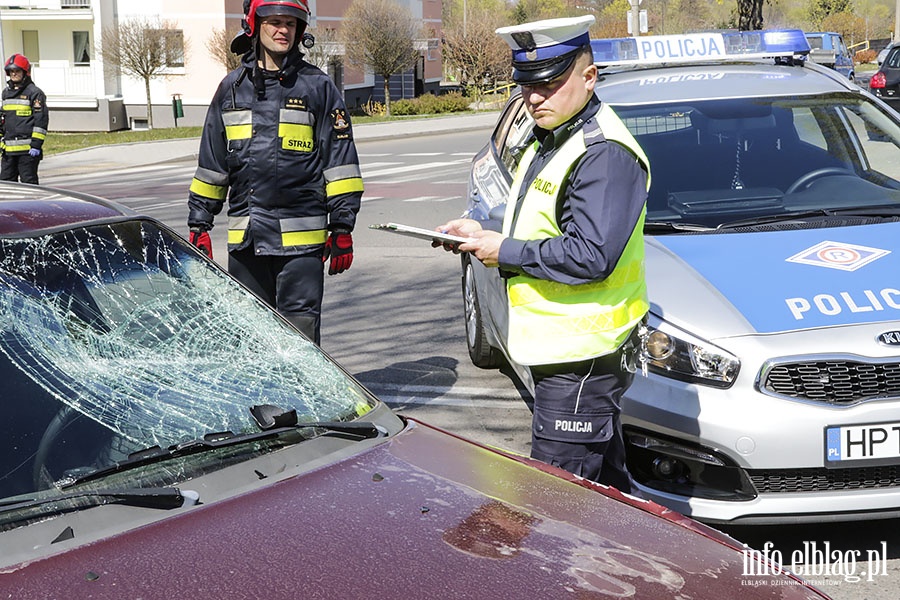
(292, 285)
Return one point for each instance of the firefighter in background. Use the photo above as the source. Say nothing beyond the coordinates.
(25, 121)
(277, 144)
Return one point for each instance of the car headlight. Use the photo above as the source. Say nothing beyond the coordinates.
(688, 359)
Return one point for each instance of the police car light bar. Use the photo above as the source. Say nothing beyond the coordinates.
(701, 47)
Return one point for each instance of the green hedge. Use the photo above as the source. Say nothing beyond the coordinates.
(429, 104)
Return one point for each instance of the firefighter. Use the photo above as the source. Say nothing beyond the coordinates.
(572, 250)
(25, 121)
(277, 144)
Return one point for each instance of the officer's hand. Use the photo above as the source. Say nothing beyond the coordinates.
(200, 238)
(34, 152)
(460, 227)
(339, 247)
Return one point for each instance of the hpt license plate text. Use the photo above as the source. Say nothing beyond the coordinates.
(878, 441)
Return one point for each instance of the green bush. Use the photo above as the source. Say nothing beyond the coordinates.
(429, 104)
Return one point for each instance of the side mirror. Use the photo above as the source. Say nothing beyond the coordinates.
(497, 214)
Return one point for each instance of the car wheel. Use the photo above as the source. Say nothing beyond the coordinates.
(481, 353)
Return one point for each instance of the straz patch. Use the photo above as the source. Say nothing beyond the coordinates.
(295, 103)
(340, 124)
(838, 255)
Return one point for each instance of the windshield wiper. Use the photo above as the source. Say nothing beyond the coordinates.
(164, 498)
(355, 430)
(778, 218)
(658, 226)
(852, 211)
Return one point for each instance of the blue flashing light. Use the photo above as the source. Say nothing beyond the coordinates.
(698, 47)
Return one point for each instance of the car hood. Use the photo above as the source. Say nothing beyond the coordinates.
(423, 515)
(730, 284)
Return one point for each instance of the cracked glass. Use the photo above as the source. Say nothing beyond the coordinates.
(127, 328)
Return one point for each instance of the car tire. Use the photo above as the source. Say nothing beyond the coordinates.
(482, 354)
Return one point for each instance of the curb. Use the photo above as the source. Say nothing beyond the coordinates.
(134, 154)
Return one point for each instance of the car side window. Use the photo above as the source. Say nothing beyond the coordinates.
(808, 129)
(520, 128)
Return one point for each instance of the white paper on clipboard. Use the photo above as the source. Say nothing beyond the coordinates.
(418, 232)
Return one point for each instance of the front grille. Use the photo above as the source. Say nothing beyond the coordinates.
(834, 381)
(776, 481)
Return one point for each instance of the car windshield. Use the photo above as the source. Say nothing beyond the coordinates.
(120, 337)
(715, 162)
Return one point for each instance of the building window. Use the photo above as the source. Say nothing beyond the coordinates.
(174, 44)
(30, 46)
(81, 42)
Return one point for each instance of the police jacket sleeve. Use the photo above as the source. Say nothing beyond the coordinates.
(343, 178)
(209, 187)
(603, 201)
(41, 118)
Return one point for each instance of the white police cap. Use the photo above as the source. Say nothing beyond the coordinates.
(544, 50)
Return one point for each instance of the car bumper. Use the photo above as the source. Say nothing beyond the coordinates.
(739, 456)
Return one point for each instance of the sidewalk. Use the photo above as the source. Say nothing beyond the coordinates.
(100, 158)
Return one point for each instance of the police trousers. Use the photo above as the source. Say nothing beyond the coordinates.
(292, 285)
(576, 422)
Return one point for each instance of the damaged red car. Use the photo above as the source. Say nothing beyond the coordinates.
(166, 435)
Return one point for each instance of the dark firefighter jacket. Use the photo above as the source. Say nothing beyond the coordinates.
(279, 147)
(25, 117)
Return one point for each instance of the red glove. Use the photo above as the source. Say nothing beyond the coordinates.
(200, 239)
(338, 246)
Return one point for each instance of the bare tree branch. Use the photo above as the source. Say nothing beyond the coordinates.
(145, 49)
(380, 35)
(219, 46)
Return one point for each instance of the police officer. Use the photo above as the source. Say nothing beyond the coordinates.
(25, 121)
(572, 250)
(277, 143)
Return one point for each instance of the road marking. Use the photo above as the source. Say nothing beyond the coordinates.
(408, 168)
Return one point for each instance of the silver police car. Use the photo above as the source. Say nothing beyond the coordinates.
(768, 387)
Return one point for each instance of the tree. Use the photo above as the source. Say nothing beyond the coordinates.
(144, 48)
(327, 50)
(750, 15)
(476, 53)
(219, 46)
(380, 35)
(819, 10)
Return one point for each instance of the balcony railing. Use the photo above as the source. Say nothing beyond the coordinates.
(62, 80)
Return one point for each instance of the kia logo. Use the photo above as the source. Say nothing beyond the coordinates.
(889, 338)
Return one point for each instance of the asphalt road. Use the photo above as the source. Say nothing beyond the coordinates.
(394, 320)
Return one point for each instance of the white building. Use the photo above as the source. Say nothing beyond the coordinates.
(61, 38)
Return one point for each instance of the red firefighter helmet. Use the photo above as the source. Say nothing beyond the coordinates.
(18, 61)
(267, 8)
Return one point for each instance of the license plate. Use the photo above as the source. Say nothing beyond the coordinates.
(871, 444)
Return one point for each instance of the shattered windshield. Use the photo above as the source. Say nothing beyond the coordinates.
(126, 327)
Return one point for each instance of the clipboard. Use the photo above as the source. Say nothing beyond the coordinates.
(422, 234)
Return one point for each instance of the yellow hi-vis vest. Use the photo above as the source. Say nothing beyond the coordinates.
(551, 322)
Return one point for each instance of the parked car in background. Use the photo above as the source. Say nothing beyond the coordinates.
(772, 345)
(882, 54)
(167, 435)
(885, 83)
(828, 48)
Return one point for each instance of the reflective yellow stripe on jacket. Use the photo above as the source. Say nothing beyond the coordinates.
(344, 179)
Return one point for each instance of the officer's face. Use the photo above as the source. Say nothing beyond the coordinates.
(553, 103)
(16, 75)
(277, 33)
